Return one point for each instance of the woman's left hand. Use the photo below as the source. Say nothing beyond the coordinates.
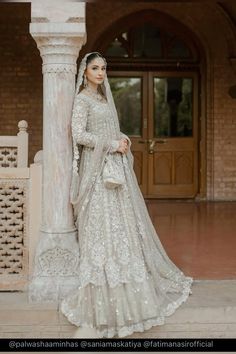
(127, 147)
(123, 146)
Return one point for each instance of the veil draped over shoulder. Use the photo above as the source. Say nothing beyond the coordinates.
(81, 188)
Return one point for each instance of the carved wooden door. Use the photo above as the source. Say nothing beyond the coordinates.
(159, 112)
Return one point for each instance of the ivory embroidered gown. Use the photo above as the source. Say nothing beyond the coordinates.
(127, 282)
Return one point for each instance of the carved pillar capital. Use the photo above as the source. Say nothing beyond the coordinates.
(59, 45)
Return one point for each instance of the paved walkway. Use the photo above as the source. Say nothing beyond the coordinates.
(209, 312)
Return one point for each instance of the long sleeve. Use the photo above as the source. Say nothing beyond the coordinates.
(80, 134)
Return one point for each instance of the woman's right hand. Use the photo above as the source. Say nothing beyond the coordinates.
(123, 146)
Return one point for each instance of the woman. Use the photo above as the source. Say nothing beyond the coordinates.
(127, 283)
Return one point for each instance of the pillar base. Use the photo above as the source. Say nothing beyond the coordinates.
(56, 269)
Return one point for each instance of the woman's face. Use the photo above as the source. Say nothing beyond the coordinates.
(95, 71)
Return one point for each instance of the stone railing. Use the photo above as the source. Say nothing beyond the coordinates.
(20, 200)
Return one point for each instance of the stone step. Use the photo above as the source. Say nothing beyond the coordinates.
(209, 312)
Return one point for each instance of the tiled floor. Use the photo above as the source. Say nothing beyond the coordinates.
(199, 237)
(211, 310)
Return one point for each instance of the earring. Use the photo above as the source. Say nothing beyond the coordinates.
(85, 81)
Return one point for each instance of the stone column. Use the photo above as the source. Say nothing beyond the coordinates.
(59, 43)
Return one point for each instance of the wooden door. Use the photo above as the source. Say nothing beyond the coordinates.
(172, 135)
(159, 112)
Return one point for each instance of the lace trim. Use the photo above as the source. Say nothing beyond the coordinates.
(136, 327)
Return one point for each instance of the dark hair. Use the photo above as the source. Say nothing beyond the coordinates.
(93, 56)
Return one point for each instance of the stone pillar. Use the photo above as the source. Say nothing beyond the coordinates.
(59, 43)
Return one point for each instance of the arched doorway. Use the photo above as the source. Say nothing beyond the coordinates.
(154, 71)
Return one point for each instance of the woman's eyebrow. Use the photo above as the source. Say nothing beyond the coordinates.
(94, 65)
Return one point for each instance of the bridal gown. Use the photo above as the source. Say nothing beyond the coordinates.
(127, 283)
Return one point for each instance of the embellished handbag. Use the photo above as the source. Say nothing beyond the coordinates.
(113, 174)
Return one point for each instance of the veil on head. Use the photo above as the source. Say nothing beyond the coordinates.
(105, 86)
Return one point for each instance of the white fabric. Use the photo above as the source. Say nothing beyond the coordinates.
(127, 282)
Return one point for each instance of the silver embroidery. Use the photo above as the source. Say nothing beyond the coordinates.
(127, 282)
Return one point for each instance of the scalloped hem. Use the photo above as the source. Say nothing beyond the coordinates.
(141, 326)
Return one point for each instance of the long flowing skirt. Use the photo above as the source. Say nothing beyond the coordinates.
(127, 283)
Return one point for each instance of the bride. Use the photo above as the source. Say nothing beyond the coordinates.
(126, 281)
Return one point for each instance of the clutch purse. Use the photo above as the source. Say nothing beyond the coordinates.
(113, 174)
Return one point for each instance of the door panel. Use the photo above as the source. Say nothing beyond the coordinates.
(172, 107)
(163, 161)
(127, 93)
(183, 167)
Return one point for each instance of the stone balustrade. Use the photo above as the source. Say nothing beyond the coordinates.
(20, 200)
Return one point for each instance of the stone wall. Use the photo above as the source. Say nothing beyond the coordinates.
(224, 134)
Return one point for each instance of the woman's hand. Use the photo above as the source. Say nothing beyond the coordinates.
(123, 146)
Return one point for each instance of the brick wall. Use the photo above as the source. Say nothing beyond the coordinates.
(20, 76)
(224, 134)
